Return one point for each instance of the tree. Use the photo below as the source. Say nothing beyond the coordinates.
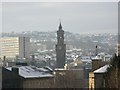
(112, 76)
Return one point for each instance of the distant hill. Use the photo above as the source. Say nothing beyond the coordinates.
(106, 42)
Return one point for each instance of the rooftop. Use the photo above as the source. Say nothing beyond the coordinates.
(32, 72)
(102, 69)
(96, 58)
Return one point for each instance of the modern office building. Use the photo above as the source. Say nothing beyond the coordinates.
(14, 46)
(60, 48)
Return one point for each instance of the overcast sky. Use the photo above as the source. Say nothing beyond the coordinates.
(77, 17)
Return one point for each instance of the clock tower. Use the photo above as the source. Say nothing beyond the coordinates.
(60, 48)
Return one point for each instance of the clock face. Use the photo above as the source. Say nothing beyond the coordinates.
(60, 38)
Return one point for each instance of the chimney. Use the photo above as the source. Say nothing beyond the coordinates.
(4, 60)
(96, 63)
(96, 51)
(15, 70)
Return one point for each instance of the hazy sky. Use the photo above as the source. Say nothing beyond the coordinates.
(77, 17)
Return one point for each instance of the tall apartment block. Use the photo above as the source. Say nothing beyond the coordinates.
(15, 46)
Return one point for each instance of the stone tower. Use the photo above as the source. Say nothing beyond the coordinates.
(60, 48)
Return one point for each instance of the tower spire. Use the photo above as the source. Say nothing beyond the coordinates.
(60, 48)
(60, 26)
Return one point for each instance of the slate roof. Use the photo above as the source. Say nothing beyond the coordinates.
(32, 72)
(102, 69)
